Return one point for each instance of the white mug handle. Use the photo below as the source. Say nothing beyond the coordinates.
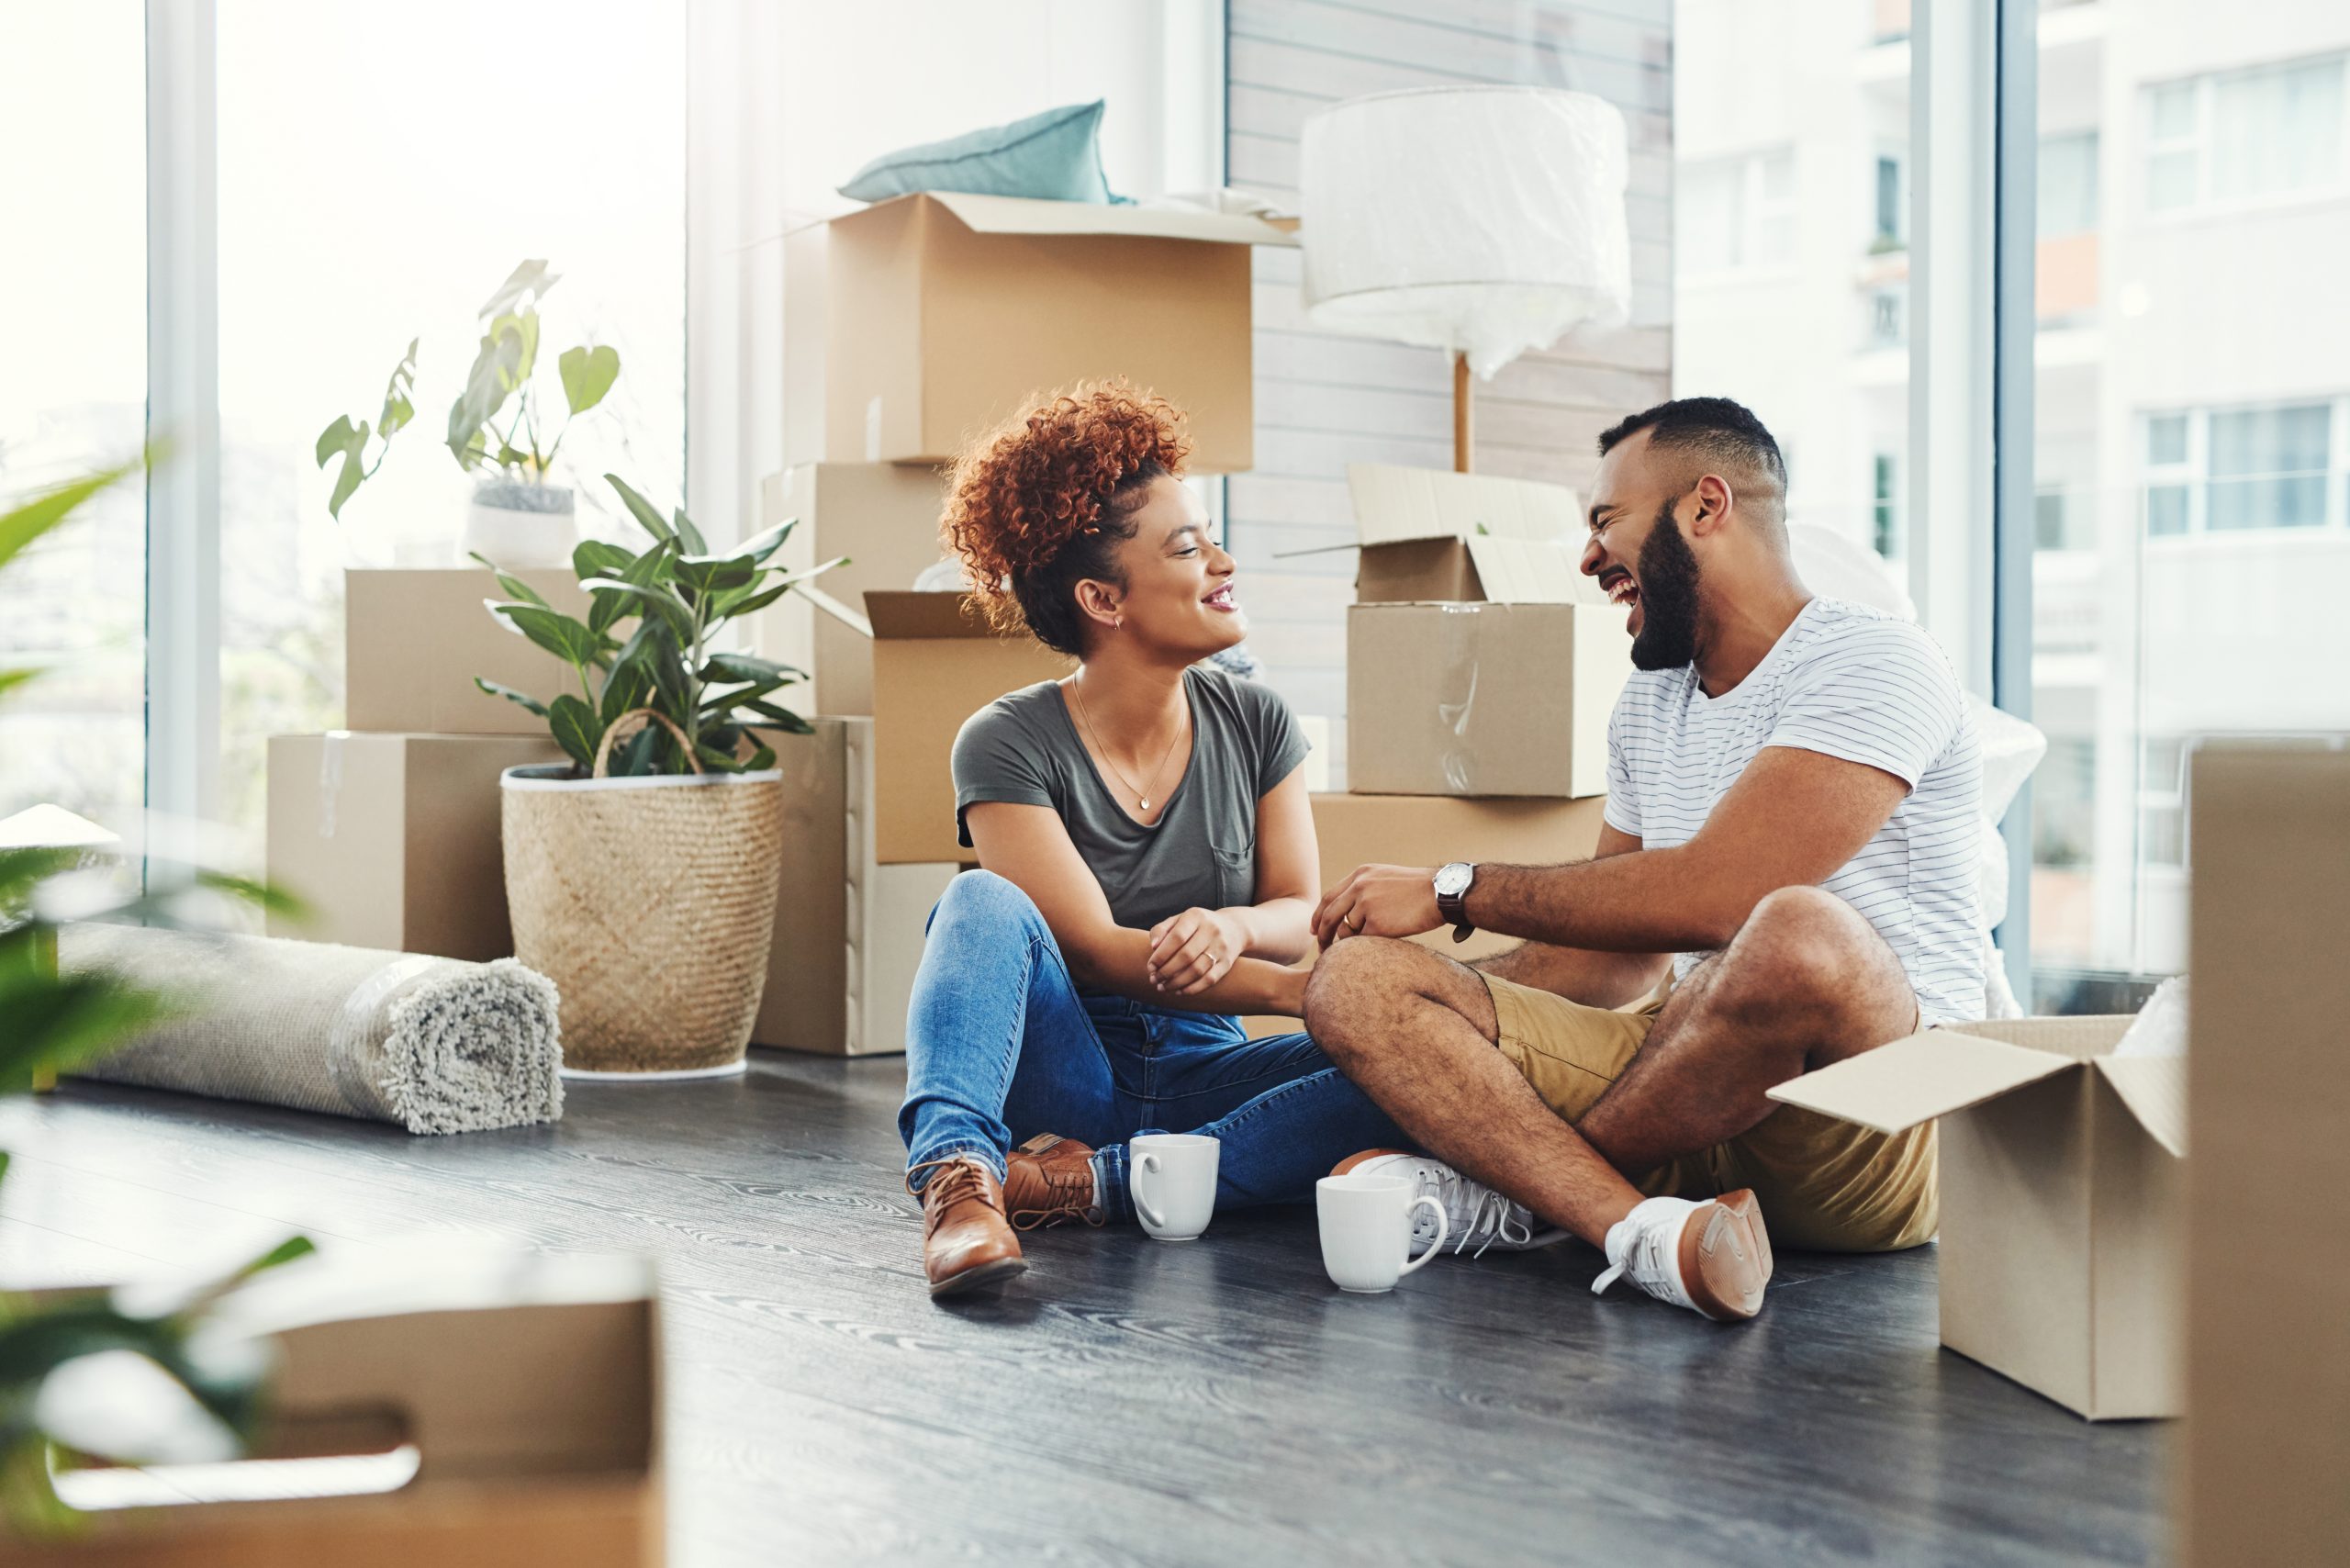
(1443, 1229)
(1149, 1216)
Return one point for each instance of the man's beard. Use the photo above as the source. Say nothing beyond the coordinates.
(1667, 638)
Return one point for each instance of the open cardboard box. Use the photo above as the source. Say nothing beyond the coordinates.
(2062, 1180)
(946, 312)
(524, 1393)
(1480, 660)
(848, 930)
(883, 517)
(414, 639)
(1427, 535)
(937, 661)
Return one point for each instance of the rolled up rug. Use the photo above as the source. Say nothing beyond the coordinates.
(432, 1045)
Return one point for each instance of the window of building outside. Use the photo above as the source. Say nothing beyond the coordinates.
(2192, 413)
(73, 399)
(361, 207)
(1792, 163)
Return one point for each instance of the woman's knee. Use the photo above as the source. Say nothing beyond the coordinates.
(984, 901)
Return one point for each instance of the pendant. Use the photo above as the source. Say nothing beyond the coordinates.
(1143, 804)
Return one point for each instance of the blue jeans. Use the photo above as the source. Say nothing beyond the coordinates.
(1002, 1045)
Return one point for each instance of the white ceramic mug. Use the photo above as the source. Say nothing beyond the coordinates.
(1366, 1230)
(1171, 1177)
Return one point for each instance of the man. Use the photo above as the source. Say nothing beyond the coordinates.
(1788, 832)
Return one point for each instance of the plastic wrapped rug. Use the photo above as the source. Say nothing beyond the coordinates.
(432, 1045)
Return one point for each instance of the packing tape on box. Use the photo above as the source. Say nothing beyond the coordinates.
(330, 778)
(1456, 693)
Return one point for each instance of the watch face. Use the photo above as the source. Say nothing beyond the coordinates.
(1452, 880)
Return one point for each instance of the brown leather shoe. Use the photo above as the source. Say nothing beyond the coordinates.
(1050, 1180)
(967, 1243)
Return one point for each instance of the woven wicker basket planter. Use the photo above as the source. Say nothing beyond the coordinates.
(650, 903)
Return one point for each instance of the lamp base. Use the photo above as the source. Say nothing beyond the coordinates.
(1463, 417)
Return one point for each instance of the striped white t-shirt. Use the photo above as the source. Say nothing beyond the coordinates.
(1849, 682)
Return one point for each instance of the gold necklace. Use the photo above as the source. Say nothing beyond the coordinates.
(1142, 796)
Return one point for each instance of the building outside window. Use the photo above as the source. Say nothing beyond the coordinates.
(2272, 130)
(2229, 470)
(1737, 214)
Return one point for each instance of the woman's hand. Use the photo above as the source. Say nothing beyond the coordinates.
(1191, 951)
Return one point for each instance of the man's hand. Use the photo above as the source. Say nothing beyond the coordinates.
(1191, 951)
(1379, 901)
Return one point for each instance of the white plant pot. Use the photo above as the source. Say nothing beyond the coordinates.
(521, 525)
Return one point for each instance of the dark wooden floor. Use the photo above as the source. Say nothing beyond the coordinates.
(1133, 1402)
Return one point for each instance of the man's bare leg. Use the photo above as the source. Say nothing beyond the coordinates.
(1806, 983)
(1416, 1031)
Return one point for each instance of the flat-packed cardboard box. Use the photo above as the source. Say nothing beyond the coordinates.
(945, 313)
(2064, 1176)
(1425, 534)
(884, 518)
(1429, 830)
(1486, 699)
(2267, 1434)
(935, 662)
(535, 1426)
(391, 840)
(413, 641)
(848, 930)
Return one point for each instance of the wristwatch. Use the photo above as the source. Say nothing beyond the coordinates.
(1452, 884)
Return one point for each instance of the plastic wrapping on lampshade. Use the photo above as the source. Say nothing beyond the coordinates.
(1485, 220)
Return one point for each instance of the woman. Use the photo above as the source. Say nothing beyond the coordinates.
(1148, 864)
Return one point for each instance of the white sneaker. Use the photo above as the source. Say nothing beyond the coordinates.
(1712, 1256)
(1476, 1214)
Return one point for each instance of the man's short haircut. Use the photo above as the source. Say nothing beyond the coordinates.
(1716, 432)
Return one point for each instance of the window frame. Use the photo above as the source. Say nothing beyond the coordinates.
(2193, 473)
(2204, 87)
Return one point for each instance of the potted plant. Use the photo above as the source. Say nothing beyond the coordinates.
(516, 516)
(641, 876)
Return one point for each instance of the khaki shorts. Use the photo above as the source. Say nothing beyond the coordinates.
(1823, 1184)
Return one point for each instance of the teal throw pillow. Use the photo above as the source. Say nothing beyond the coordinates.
(1054, 156)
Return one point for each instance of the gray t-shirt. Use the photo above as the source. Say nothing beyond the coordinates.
(1024, 748)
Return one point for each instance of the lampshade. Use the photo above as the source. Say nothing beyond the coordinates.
(1486, 220)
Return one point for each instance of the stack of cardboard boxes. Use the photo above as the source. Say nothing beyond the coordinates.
(1481, 668)
(388, 830)
(909, 327)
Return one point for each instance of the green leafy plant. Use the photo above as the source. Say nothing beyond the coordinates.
(50, 1023)
(501, 384)
(655, 618)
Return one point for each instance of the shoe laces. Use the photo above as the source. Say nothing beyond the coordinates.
(1476, 1211)
(1648, 1259)
(959, 1177)
(1072, 1198)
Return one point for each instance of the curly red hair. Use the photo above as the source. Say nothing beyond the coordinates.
(1045, 491)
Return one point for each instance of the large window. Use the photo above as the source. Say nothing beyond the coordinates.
(72, 398)
(381, 170)
(2192, 438)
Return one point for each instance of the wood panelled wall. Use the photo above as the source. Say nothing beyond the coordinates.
(1325, 402)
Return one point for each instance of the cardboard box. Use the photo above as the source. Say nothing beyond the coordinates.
(1425, 534)
(884, 517)
(945, 313)
(935, 662)
(392, 841)
(848, 931)
(521, 1461)
(413, 641)
(1482, 698)
(1429, 830)
(2062, 1180)
(2267, 1437)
